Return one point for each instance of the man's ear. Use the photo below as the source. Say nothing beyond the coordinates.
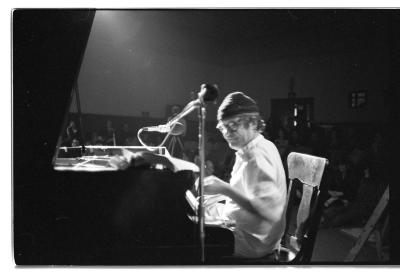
(253, 124)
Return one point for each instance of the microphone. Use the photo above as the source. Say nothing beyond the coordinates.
(208, 92)
(176, 128)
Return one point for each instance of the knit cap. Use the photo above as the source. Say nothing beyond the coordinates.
(236, 103)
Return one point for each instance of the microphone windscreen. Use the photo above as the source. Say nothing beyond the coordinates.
(210, 92)
(177, 128)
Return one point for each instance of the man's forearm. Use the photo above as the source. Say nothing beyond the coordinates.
(240, 199)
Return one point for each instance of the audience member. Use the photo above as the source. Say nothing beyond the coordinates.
(97, 139)
(109, 134)
(317, 143)
(175, 141)
(294, 138)
(377, 150)
(298, 142)
(190, 150)
(354, 171)
(267, 134)
(75, 142)
(357, 212)
(125, 136)
(337, 182)
(352, 138)
(334, 142)
(71, 133)
(282, 143)
(175, 110)
(209, 154)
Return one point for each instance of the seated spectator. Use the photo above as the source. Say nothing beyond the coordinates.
(352, 139)
(190, 150)
(377, 150)
(209, 170)
(75, 142)
(209, 156)
(294, 138)
(125, 136)
(357, 212)
(267, 134)
(109, 134)
(317, 143)
(282, 142)
(132, 141)
(97, 139)
(337, 183)
(334, 142)
(148, 138)
(297, 143)
(354, 171)
(71, 133)
(216, 151)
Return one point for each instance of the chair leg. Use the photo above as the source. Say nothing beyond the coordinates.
(379, 235)
(378, 244)
(369, 227)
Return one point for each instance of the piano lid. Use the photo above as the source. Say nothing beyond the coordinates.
(48, 45)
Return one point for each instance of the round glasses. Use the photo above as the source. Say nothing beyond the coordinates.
(230, 126)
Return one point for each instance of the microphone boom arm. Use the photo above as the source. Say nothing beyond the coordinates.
(186, 111)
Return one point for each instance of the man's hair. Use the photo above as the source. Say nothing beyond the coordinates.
(257, 119)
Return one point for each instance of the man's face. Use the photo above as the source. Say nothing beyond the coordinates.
(235, 132)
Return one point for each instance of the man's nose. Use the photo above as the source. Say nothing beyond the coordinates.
(226, 132)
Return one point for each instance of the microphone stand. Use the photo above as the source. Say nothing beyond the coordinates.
(200, 214)
(199, 104)
(207, 93)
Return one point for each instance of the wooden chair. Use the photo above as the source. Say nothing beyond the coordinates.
(305, 175)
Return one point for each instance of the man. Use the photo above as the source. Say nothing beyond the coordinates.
(255, 197)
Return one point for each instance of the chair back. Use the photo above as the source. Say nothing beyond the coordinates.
(300, 232)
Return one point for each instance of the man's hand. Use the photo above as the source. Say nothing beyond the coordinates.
(119, 162)
(214, 185)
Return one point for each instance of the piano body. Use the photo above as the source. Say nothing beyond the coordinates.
(74, 209)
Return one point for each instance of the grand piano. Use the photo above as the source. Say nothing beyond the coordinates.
(68, 210)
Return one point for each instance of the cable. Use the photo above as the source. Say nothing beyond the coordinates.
(152, 149)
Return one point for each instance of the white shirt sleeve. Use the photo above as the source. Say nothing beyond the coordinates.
(261, 186)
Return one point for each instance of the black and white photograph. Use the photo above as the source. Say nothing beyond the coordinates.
(217, 137)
